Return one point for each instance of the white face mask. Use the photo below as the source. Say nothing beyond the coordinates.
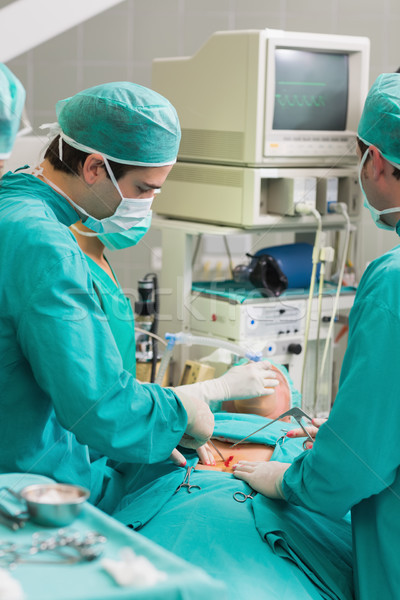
(129, 212)
(374, 212)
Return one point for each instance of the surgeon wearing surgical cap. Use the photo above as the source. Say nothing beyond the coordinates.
(12, 100)
(354, 464)
(64, 386)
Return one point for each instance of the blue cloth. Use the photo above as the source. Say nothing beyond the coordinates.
(61, 375)
(88, 580)
(320, 547)
(241, 544)
(212, 531)
(355, 460)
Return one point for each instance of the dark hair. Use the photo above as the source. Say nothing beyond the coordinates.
(73, 160)
(364, 147)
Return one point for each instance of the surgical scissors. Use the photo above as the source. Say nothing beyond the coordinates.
(294, 412)
(242, 497)
(186, 482)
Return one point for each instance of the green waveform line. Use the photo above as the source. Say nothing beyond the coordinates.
(295, 100)
(301, 83)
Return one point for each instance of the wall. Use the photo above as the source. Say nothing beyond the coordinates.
(121, 43)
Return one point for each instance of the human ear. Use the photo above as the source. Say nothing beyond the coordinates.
(377, 161)
(93, 169)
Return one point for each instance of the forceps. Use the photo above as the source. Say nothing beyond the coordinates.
(186, 482)
(294, 412)
(242, 497)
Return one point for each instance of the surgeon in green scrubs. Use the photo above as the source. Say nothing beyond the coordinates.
(354, 463)
(63, 381)
(64, 386)
(12, 100)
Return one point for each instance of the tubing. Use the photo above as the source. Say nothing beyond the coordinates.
(189, 339)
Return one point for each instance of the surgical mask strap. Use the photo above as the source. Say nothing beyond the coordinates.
(84, 233)
(111, 174)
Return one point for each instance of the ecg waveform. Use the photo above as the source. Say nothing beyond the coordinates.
(300, 100)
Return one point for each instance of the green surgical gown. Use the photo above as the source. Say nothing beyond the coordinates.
(118, 313)
(62, 381)
(354, 464)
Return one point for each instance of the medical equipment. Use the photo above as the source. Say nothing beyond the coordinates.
(48, 504)
(295, 412)
(268, 97)
(62, 547)
(242, 497)
(274, 269)
(195, 371)
(186, 482)
(147, 310)
(341, 209)
(250, 197)
(188, 339)
(216, 450)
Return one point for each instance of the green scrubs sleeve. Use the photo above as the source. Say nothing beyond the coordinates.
(356, 453)
(74, 359)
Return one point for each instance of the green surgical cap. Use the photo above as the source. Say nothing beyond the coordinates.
(12, 100)
(125, 122)
(380, 121)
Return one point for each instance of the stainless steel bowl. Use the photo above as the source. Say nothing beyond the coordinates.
(54, 504)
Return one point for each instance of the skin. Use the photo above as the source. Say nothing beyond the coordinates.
(92, 247)
(380, 186)
(95, 192)
(270, 406)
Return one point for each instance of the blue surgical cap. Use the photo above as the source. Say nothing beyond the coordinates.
(125, 122)
(380, 121)
(12, 100)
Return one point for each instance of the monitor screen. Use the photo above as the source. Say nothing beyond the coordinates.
(311, 90)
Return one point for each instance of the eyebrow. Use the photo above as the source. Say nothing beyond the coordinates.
(150, 185)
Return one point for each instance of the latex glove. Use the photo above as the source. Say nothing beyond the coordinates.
(200, 423)
(204, 453)
(263, 477)
(312, 430)
(241, 382)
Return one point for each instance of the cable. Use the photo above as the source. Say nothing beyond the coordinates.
(196, 250)
(319, 317)
(304, 209)
(154, 327)
(341, 208)
(229, 255)
(153, 335)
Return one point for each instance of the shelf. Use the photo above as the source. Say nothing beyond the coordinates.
(275, 222)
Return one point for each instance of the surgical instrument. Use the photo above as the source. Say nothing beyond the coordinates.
(186, 482)
(242, 497)
(216, 450)
(294, 412)
(62, 547)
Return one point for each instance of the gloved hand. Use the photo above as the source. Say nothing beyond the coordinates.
(241, 382)
(263, 477)
(200, 423)
(312, 430)
(204, 452)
